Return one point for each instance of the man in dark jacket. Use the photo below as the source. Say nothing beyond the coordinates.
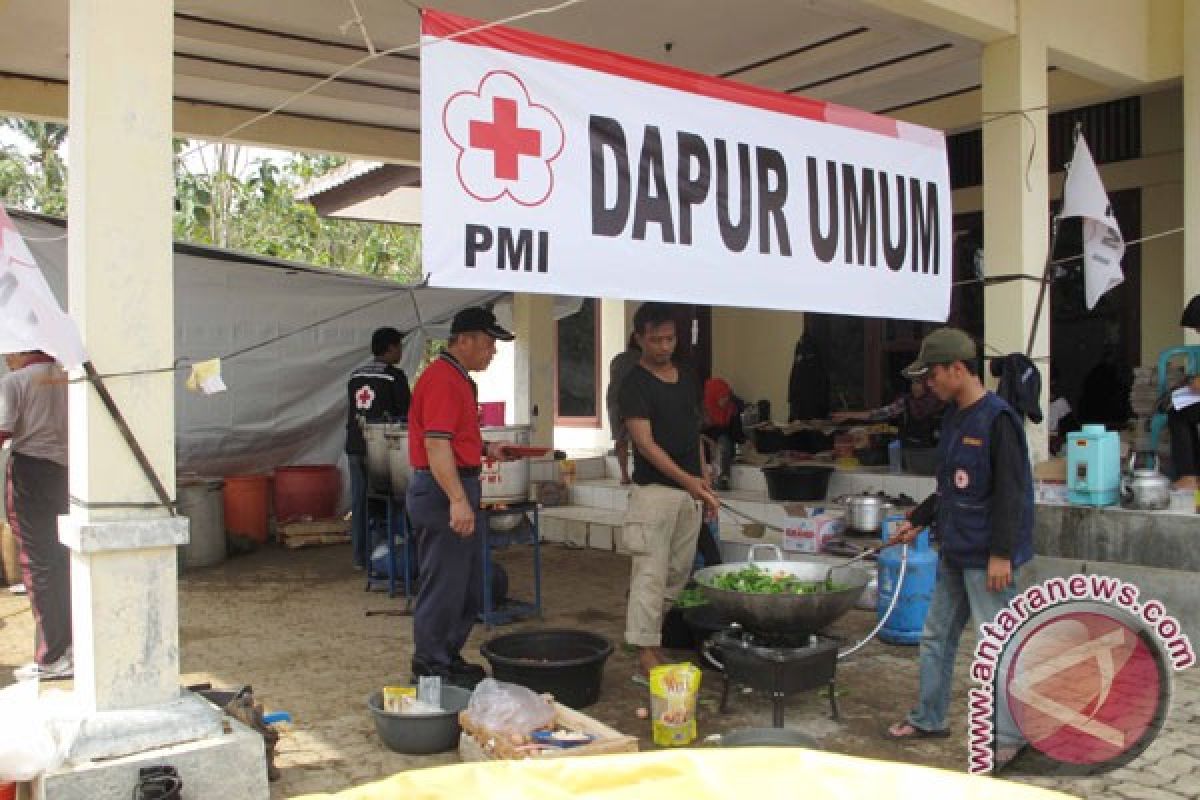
(983, 508)
(377, 392)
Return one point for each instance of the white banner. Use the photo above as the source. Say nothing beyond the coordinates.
(1103, 245)
(549, 167)
(30, 317)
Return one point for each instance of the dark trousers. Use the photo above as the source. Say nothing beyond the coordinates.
(36, 492)
(360, 523)
(1185, 445)
(450, 586)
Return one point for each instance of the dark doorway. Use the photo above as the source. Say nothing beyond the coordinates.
(1094, 351)
(693, 329)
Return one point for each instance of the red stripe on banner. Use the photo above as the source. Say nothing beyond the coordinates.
(511, 40)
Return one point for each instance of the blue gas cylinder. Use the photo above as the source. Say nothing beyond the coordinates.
(920, 574)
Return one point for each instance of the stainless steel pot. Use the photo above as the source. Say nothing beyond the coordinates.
(784, 613)
(379, 474)
(505, 481)
(399, 469)
(1144, 488)
(865, 512)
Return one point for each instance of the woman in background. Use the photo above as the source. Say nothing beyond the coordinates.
(722, 426)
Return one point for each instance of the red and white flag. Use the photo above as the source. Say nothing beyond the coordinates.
(1103, 246)
(30, 316)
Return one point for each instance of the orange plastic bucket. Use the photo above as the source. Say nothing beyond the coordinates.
(246, 506)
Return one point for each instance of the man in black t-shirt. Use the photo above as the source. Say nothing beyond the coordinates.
(378, 392)
(660, 404)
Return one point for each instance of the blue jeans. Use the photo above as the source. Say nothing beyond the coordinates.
(360, 523)
(960, 594)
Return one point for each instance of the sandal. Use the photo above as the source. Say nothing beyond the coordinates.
(906, 730)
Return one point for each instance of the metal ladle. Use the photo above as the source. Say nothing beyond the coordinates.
(870, 551)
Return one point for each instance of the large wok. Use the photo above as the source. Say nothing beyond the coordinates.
(784, 613)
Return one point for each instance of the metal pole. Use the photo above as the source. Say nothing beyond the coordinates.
(1045, 287)
(147, 468)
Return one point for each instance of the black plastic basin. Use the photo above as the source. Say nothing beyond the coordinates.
(568, 664)
(799, 482)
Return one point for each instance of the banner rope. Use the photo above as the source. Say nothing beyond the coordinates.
(1058, 262)
(406, 48)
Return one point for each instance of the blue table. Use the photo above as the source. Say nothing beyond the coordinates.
(396, 525)
(492, 540)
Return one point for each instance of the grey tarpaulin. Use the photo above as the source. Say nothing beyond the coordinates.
(286, 402)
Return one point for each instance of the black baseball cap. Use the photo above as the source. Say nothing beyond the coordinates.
(479, 319)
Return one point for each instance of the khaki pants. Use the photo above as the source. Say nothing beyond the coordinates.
(660, 533)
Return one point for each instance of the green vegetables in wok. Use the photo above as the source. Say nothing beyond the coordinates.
(755, 580)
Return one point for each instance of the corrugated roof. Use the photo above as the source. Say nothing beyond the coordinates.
(335, 178)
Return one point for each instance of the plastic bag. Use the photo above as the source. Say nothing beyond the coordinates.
(36, 733)
(508, 708)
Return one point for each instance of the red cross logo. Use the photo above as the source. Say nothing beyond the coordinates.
(506, 142)
(505, 138)
(364, 398)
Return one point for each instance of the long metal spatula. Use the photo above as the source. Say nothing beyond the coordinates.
(870, 551)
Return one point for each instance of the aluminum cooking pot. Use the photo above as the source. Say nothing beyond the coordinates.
(865, 512)
(399, 469)
(784, 613)
(378, 471)
(505, 481)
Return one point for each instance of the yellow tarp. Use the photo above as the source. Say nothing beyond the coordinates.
(716, 774)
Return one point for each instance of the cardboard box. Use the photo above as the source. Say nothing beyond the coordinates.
(1054, 470)
(480, 744)
(810, 534)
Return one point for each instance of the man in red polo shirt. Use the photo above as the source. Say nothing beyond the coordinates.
(446, 451)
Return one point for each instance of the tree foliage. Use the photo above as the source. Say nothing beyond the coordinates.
(224, 199)
(35, 177)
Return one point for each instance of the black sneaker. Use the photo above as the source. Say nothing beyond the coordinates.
(467, 670)
(464, 677)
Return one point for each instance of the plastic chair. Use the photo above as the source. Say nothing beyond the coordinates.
(1192, 352)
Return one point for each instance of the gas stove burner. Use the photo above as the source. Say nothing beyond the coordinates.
(776, 641)
(778, 664)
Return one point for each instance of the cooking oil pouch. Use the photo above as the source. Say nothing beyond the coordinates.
(673, 692)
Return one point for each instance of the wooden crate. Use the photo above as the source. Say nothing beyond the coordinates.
(473, 745)
(10, 567)
(315, 532)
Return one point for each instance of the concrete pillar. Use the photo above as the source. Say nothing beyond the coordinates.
(121, 293)
(614, 333)
(1015, 198)
(1162, 210)
(533, 323)
(1191, 157)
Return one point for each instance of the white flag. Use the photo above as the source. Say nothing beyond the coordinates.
(1103, 246)
(30, 317)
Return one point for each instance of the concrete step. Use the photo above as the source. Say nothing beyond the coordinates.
(748, 478)
(582, 526)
